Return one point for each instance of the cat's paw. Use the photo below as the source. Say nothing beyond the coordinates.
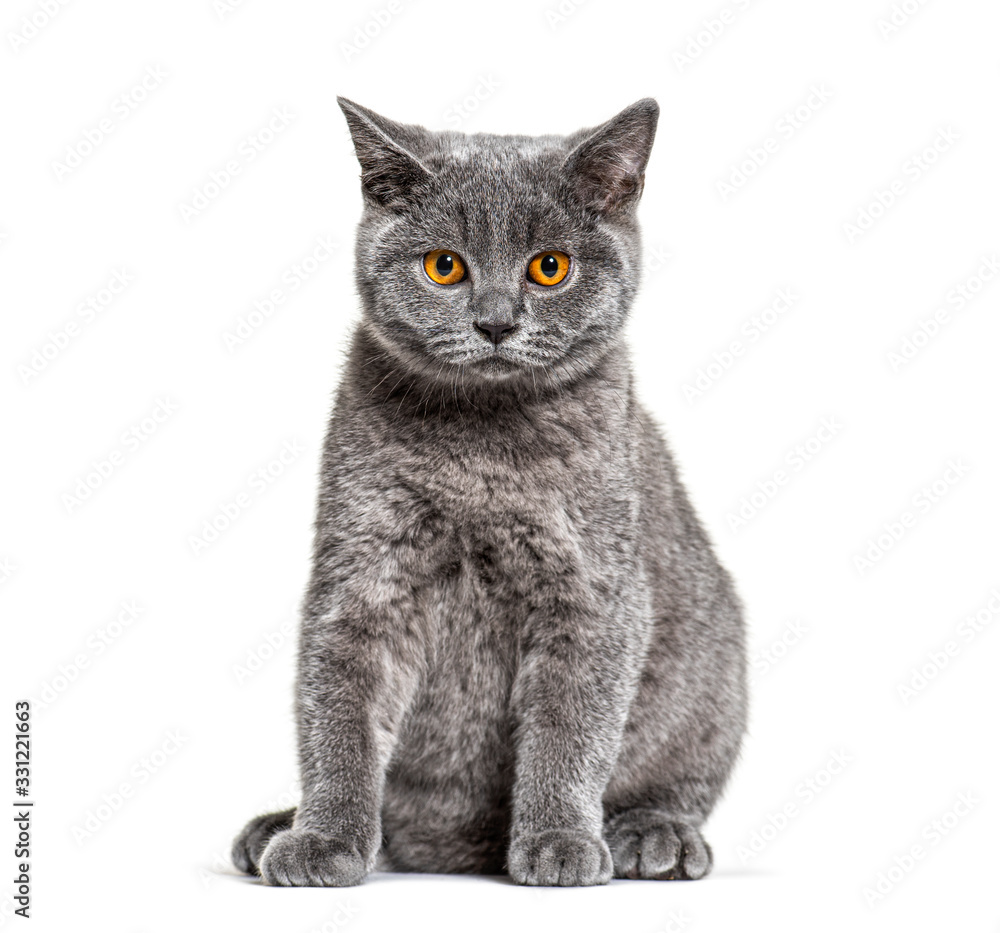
(249, 845)
(303, 858)
(559, 857)
(650, 844)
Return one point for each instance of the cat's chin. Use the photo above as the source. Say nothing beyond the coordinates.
(497, 367)
(518, 371)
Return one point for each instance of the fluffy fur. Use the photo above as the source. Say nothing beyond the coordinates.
(518, 651)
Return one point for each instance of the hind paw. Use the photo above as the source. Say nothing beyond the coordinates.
(249, 845)
(647, 843)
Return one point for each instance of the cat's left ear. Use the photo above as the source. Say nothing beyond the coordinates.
(391, 171)
(606, 167)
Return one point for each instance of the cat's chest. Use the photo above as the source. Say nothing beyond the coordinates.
(503, 481)
(512, 509)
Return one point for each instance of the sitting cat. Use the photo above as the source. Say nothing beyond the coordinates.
(518, 651)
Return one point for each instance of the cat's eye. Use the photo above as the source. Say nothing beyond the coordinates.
(444, 267)
(548, 268)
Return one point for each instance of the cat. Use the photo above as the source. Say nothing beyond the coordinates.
(518, 652)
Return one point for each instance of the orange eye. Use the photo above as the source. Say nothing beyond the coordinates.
(548, 268)
(444, 267)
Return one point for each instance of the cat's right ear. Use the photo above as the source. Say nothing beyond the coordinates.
(391, 174)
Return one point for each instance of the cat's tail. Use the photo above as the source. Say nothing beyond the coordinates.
(249, 845)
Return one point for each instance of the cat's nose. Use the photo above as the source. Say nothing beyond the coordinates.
(495, 331)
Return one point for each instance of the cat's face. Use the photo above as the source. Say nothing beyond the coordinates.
(499, 257)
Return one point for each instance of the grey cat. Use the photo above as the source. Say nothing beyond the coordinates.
(518, 651)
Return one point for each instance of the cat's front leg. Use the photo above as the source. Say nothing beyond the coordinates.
(577, 677)
(360, 653)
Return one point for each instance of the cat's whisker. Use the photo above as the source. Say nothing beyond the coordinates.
(461, 374)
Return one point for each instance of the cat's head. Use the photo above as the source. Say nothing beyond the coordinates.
(499, 257)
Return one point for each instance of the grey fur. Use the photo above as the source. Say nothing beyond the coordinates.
(518, 651)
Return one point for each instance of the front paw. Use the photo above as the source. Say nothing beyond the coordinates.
(303, 858)
(558, 856)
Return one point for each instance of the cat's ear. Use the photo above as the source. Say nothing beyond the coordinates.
(391, 174)
(606, 166)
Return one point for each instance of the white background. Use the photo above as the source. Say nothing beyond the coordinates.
(799, 838)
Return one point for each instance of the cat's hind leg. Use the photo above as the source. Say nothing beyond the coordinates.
(646, 842)
(249, 845)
